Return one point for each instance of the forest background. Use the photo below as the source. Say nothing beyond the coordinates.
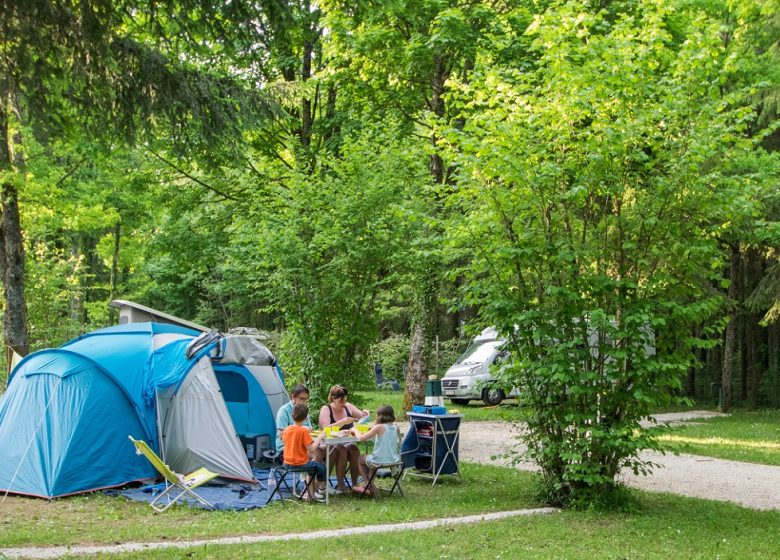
(376, 181)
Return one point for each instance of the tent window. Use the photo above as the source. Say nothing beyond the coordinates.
(233, 386)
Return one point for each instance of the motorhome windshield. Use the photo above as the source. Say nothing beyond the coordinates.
(479, 352)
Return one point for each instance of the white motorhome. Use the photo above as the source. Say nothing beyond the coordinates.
(469, 377)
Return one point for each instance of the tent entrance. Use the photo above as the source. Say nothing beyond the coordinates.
(196, 427)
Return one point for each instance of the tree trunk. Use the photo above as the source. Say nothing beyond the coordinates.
(114, 280)
(715, 362)
(417, 372)
(730, 345)
(307, 106)
(754, 332)
(307, 117)
(422, 340)
(423, 331)
(773, 360)
(438, 81)
(76, 295)
(743, 328)
(690, 380)
(753, 335)
(15, 335)
(455, 329)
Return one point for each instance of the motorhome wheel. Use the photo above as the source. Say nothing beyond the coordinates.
(492, 396)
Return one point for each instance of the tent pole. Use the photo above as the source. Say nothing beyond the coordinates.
(160, 439)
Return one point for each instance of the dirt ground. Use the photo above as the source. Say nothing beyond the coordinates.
(746, 484)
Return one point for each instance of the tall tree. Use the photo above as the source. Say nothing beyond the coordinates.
(399, 58)
(77, 65)
(12, 170)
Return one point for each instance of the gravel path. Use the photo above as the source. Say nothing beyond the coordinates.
(746, 484)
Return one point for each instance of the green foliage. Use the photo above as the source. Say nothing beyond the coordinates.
(333, 243)
(594, 163)
(393, 354)
(448, 352)
(78, 65)
(75, 198)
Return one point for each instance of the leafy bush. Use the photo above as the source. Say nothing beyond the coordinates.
(392, 353)
(595, 189)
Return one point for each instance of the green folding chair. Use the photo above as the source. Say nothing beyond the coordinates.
(184, 484)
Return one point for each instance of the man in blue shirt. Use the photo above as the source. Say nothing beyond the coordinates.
(298, 395)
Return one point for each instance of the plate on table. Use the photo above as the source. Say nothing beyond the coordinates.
(339, 434)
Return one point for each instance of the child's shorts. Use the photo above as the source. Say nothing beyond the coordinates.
(394, 470)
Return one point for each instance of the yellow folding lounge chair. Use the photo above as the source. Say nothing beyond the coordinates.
(186, 483)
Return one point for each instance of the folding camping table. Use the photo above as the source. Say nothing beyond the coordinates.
(330, 441)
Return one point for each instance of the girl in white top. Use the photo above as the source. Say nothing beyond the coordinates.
(386, 446)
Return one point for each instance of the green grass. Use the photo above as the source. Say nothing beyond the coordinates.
(97, 518)
(474, 411)
(658, 525)
(662, 527)
(751, 436)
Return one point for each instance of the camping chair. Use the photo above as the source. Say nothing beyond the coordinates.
(395, 471)
(186, 483)
(281, 483)
(381, 383)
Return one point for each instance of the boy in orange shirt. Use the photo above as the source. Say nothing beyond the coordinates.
(298, 445)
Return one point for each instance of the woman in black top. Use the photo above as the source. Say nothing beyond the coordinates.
(338, 412)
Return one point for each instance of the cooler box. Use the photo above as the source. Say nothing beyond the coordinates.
(425, 409)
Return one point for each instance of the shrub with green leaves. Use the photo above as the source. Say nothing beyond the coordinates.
(392, 353)
(335, 244)
(595, 185)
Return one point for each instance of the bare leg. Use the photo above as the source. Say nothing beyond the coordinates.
(363, 468)
(365, 472)
(309, 487)
(354, 459)
(339, 457)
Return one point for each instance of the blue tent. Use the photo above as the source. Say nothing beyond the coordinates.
(66, 415)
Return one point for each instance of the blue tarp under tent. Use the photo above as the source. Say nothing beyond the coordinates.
(67, 412)
(235, 496)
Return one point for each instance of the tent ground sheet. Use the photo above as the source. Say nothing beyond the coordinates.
(230, 496)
